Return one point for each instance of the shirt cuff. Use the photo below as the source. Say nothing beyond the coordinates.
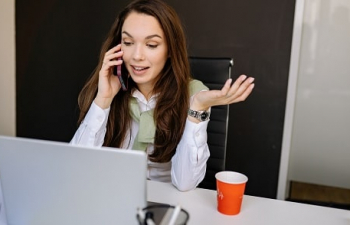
(96, 118)
(196, 132)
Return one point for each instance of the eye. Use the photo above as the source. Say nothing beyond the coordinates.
(152, 46)
(127, 43)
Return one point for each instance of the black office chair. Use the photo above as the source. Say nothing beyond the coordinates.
(214, 72)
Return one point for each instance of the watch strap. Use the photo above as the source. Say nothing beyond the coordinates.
(200, 115)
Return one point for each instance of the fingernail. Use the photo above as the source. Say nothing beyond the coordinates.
(251, 79)
(244, 77)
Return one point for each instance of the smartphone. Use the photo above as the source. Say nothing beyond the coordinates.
(122, 78)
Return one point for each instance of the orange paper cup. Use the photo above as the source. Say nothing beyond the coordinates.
(230, 190)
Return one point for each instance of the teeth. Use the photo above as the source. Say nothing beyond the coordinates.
(138, 68)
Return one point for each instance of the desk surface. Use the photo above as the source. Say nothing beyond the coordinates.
(201, 205)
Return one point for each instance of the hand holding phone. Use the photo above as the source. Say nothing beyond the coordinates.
(123, 81)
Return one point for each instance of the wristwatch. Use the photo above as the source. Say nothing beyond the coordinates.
(201, 115)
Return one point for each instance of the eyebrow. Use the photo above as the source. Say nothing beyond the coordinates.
(148, 37)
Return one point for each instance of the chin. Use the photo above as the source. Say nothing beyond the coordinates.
(140, 80)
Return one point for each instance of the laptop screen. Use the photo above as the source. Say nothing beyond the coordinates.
(46, 182)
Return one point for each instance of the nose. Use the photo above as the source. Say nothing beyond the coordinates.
(138, 54)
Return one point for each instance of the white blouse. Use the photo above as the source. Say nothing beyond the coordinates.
(186, 168)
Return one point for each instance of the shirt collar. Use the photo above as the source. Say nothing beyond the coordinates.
(141, 98)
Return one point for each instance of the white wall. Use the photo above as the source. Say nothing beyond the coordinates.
(7, 68)
(320, 143)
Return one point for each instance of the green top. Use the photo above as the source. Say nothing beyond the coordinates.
(147, 127)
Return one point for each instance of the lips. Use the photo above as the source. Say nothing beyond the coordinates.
(139, 69)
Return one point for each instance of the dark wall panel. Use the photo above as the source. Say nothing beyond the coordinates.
(57, 48)
(258, 35)
(58, 45)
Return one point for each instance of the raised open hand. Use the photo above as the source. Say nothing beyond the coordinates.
(229, 94)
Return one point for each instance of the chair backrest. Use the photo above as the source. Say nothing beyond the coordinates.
(214, 72)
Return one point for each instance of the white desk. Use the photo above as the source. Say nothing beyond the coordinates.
(201, 205)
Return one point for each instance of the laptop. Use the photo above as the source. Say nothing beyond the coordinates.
(46, 182)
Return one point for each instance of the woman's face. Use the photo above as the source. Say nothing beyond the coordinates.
(145, 49)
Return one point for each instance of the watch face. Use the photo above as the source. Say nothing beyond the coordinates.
(204, 116)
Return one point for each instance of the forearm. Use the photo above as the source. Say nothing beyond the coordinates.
(189, 162)
(91, 131)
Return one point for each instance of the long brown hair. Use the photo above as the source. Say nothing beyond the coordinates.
(170, 112)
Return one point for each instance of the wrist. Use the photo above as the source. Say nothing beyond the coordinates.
(103, 103)
(198, 106)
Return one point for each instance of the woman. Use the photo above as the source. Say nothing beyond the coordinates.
(163, 111)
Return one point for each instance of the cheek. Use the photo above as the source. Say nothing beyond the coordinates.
(160, 57)
(126, 55)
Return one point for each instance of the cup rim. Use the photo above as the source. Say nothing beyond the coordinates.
(242, 178)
